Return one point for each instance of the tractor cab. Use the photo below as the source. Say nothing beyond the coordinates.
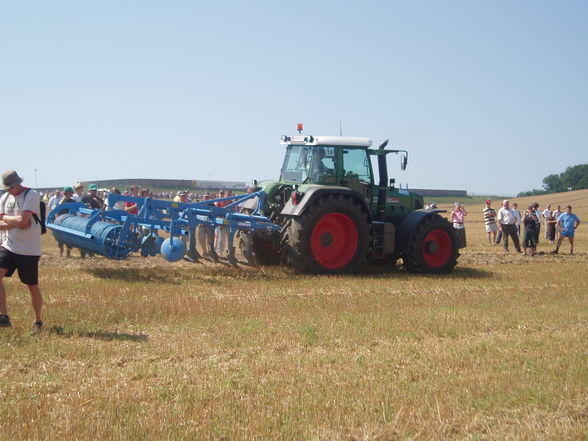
(328, 160)
(346, 162)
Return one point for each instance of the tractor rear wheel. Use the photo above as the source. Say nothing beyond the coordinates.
(432, 248)
(330, 237)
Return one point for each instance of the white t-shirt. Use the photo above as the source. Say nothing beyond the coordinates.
(28, 241)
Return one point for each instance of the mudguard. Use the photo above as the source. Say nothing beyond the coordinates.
(313, 193)
(409, 226)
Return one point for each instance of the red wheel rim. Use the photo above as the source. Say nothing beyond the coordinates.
(334, 240)
(436, 248)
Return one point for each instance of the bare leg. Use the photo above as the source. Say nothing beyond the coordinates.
(36, 301)
(559, 241)
(3, 309)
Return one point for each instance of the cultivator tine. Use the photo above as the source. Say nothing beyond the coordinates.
(192, 254)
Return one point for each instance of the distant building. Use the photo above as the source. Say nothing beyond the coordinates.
(439, 193)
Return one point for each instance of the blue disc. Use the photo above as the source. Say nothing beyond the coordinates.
(175, 252)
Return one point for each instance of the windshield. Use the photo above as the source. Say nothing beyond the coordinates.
(296, 163)
(305, 164)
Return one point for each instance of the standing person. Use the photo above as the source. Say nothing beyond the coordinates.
(556, 213)
(118, 205)
(530, 222)
(205, 237)
(458, 218)
(490, 221)
(507, 224)
(568, 222)
(92, 199)
(538, 214)
(132, 207)
(545, 214)
(550, 227)
(517, 213)
(21, 247)
(67, 199)
(79, 192)
(54, 200)
(221, 239)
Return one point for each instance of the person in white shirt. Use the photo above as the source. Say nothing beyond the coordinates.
(21, 246)
(54, 200)
(507, 220)
(517, 213)
(545, 214)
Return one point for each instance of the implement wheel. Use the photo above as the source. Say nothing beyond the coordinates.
(330, 237)
(433, 247)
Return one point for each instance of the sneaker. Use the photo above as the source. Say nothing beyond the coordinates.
(37, 328)
(5, 321)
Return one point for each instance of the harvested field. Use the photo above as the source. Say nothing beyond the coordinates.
(145, 349)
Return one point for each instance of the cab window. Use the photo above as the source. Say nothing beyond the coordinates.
(356, 164)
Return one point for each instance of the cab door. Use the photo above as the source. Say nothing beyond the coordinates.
(357, 172)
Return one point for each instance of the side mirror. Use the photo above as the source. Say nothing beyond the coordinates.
(403, 161)
(392, 182)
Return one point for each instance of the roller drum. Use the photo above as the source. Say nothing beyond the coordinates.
(103, 240)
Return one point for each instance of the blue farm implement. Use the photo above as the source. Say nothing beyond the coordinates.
(116, 234)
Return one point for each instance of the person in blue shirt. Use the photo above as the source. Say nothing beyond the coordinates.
(567, 222)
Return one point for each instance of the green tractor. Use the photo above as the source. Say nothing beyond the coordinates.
(334, 217)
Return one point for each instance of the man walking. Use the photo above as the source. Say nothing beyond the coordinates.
(21, 247)
(507, 224)
(567, 222)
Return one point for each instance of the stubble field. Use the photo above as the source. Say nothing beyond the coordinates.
(149, 350)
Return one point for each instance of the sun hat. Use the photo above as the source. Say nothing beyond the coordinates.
(66, 189)
(78, 185)
(10, 179)
(92, 187)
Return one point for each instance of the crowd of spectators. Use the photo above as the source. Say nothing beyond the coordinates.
(511, 223)
(523, 229)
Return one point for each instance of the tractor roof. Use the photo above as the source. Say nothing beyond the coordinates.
(326, 140)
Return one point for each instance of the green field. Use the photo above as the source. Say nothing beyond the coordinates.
(150, 350)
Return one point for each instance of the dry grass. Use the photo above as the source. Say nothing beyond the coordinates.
(148, 350)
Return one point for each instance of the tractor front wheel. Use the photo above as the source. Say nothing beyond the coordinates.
(433, 247)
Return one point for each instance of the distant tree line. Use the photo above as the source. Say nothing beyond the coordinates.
(574, 178)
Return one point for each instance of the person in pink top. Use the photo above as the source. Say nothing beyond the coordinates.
(458, 218)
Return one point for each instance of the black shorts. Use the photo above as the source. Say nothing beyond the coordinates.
(28, 266)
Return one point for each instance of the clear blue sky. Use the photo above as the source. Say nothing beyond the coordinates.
(487, 96)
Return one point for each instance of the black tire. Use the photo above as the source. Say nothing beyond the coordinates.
(432, 248)
(330, 237)
(258, 248)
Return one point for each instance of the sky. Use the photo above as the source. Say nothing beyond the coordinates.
(488, 97)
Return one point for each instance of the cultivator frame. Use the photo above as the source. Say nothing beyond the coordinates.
(116, 234)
